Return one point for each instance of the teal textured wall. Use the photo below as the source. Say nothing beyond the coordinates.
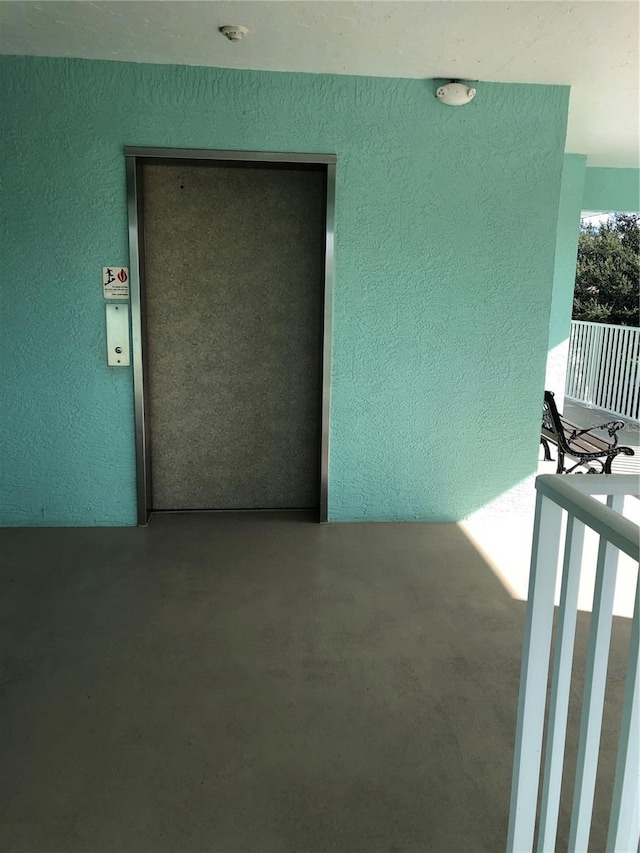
(445, 235)
(612, 190)
(564, 276)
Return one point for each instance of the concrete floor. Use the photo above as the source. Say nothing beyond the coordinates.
(503, 529)
(258, 683)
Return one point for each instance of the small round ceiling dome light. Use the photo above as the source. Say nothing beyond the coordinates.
(234, 33)
(455, 94)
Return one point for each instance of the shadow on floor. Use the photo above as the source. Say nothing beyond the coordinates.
(249, 684)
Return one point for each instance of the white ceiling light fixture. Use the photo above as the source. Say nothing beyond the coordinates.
(455, 94)
(234, 32)
(394, 38)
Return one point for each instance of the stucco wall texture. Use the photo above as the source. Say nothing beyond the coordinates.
(445, 236)
(570, 208)
(612, 190)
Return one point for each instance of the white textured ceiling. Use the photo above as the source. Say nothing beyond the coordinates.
(592, 46)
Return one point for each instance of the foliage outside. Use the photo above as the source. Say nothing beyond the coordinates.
(608, 271)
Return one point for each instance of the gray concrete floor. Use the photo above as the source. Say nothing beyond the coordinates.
(258, 683)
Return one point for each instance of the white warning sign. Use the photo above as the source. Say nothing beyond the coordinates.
(115, 282)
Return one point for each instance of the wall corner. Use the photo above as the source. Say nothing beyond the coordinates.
(569, 210)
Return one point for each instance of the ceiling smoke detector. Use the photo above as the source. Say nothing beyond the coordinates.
(234, 33)
(455, 94)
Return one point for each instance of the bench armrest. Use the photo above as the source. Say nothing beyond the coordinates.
(612, 428)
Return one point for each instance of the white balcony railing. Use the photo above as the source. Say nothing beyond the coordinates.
(603, 369)
(557, 495)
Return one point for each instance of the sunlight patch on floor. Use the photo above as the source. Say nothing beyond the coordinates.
(503, 531)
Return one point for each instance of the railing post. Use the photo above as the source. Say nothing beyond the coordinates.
(635, 376)
(584, 365)
(603, 367)
(616, 355)
(598, 336)
(594, 689)
(624, 372)
(561, 685)
(574, 495)
(533, 678)
(624, 826)
(609, 388)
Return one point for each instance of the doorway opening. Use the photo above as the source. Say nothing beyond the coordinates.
(231, 300)
(603, 362)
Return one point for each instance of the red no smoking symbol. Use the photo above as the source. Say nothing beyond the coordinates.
(122, 276)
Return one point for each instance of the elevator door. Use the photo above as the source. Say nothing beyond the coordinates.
(234, 271)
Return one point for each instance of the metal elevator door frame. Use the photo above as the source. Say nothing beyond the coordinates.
(134, 157)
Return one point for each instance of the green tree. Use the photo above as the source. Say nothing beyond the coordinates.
(608, 272)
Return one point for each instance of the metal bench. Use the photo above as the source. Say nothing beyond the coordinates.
(580, 444)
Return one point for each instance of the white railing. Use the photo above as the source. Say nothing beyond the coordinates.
(603, 369)
(556, 495)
